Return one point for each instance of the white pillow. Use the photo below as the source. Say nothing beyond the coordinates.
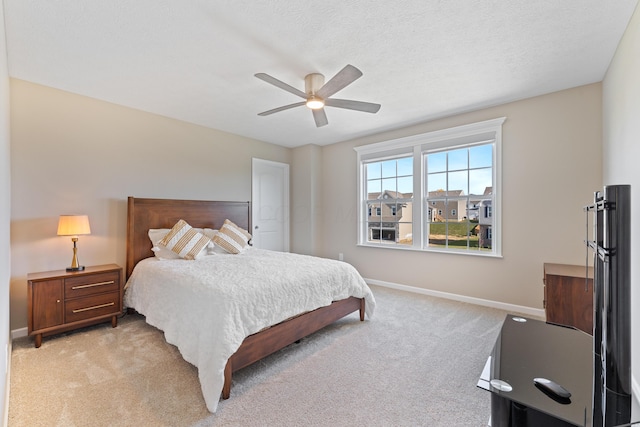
(185, 240)
(212, 249)
(232, 238)
(155, 235)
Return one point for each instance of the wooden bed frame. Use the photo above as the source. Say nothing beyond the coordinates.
(144, 214)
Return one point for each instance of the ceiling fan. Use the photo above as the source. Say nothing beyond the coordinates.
(317, 94)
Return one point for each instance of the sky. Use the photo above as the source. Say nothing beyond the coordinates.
(468, 169)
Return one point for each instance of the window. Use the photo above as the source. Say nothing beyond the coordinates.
(389, 192)
(459, 178)
(439, 191)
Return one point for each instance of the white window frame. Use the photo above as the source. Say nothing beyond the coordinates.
(489, 131)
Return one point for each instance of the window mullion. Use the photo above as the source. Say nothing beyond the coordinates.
(418, 198)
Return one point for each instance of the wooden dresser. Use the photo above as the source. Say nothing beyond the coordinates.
(568, 297)
(60, 301)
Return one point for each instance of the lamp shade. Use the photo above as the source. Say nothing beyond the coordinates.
(73, 225)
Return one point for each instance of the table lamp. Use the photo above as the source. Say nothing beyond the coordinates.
(74, 225)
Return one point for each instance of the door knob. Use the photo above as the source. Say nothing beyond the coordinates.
(256, 227)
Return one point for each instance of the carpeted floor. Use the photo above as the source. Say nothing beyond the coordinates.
(416, 363)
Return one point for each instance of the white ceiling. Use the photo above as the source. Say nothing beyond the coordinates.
(195, 60)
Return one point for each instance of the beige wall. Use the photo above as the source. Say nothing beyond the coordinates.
(5, 218)
(551, 166)
(72, 154)
(621, 151)
(306, 181)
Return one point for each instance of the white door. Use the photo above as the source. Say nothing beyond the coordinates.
(270, 205)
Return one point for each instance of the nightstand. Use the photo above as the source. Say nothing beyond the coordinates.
(60, 301)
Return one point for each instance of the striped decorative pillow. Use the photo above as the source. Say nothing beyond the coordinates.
(232, 238)
(185, 240)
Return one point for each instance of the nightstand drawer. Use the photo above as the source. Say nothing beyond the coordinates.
(92, 284)
(94, 306)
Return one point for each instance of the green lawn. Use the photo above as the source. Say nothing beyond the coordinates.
(457, 234)
(456, 237)
(460, 229)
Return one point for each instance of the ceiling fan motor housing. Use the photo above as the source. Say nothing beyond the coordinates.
(313, 82)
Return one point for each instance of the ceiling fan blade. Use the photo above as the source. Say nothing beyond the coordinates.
(367, 107)
(282, 85)
(345, 77)
(284, 107)
(320, 117)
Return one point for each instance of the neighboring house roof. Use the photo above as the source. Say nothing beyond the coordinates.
(442, 193)
(437, 193)
(390, 195)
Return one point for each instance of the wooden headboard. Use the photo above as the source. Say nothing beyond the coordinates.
(143, 214)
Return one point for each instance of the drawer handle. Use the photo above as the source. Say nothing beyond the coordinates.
(91, 285)
(95, 307)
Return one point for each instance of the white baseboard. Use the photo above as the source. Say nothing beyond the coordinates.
(7, 387)
(19, 333)
(513, 308)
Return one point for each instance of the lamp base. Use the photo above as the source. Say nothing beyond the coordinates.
(80, 268)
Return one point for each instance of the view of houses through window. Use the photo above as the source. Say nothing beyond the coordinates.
(436, 191)
(458, 201)
(390, 201)
(459, 193)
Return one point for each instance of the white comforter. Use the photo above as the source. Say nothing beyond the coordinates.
(208, 306)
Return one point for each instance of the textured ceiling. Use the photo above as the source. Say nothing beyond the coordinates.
(422, 59)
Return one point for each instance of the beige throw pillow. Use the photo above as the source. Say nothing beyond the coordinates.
(232, 238)
(184, 240)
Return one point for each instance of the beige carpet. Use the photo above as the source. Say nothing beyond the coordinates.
(416, 363)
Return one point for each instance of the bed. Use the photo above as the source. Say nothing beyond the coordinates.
(255, 330)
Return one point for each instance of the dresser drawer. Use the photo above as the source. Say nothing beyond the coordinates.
(93, 306)
(75, 287)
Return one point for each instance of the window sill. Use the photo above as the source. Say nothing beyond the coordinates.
(440, 251)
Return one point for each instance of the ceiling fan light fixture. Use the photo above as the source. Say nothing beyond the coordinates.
(315, 103)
